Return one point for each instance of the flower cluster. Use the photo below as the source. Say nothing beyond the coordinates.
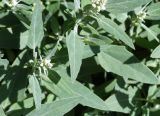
(41, 66)
(14, 2)
(46, 63)
(141, 16)
(99, 4)
(11, 3)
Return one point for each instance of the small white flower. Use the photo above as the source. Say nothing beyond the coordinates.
(98, 8)
(31, 61)
(99, 4)
(41, 64)
(157, 106)
(14, 2)
(94, 5)
(47, 63)
(103, 7)
(142, 15)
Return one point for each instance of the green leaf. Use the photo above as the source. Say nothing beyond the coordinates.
(85, 2)
(12, 90)
(77, 4)
(150, 32)
(1, 111)
(24, 14)
(75, 51)
(18, 109)
(53, 51)
(52, 8)
(153, 11)
(36, 90)
(152, 92)
(23, 39)
(3, 64)
(123, 6)
(111, 27)
(114, 104)
(57, 108)
(156, 30)
(156, 52)
(28, 1)
(124, 99)
(65, 88)
(118, 60)
(36, 32)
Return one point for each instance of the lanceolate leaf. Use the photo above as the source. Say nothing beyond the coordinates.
(111, 27)
(2, 112)
(75, 51)
(53, 51)
(79, 57)
(151, 33)
(36, 32)
(122, 6)
(57, 108)
(23, 39)
(36, 90)
(114, 104)
(156, 52)
(65, 88)
(77, 4)
(154, 11)
(13, 89)
(27, 104)
(124, 98)
(120, 61)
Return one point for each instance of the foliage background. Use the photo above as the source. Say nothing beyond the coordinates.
(64, 57)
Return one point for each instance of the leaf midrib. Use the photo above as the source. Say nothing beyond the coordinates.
(103, 53)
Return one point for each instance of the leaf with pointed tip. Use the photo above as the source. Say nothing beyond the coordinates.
(53, 51)
(118, 60)
(17, 109)
(23, 39)
(65, 88)
(123, 99)
(1, 111)
(77, 4)
(56, 108)
(36, 90)
(111, 27)
(75, 51)
(150, 32)
(36, 32)
(123, 6)
(153, 11)
(156, 52)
